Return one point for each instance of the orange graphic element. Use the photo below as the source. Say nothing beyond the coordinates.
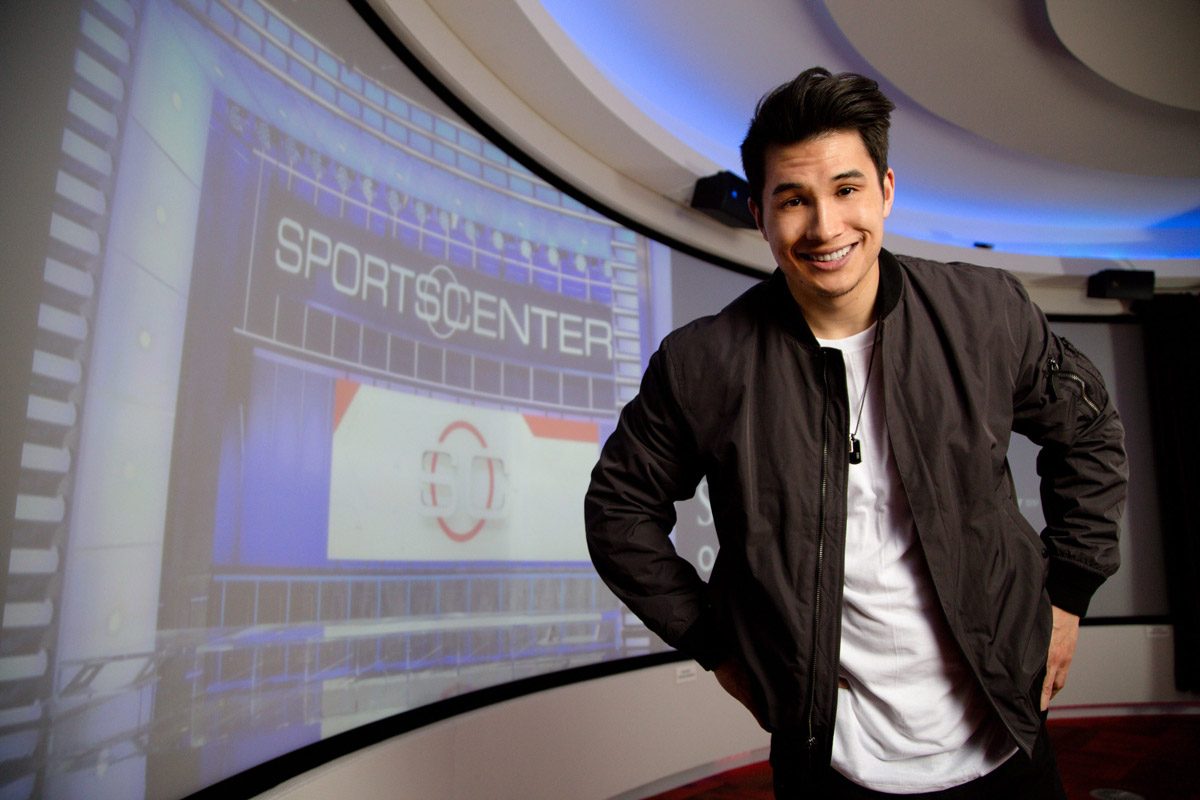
(569, 429)
(343, 396)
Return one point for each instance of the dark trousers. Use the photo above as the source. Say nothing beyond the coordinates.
(1027, 777)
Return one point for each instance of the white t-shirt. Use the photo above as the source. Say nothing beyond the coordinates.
(913, 719)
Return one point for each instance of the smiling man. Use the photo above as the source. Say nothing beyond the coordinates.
(878, 602)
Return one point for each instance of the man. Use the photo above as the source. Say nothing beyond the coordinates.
(877, 602)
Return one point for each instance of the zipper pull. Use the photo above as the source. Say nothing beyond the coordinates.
(1052, 369)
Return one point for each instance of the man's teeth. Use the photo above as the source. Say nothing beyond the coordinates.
(834, 256)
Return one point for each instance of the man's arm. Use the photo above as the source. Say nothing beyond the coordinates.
(648, 463)
(1082, 465)
(1062, 404)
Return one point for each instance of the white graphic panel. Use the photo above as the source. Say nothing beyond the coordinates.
(419, 479)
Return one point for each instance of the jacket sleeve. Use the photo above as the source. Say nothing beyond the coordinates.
(648, 463)
(1062, 405)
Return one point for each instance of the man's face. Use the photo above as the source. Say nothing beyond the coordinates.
(822, 212)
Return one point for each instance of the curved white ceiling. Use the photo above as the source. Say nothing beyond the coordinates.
(1153, 55)
(998, 70)
(1002, 134)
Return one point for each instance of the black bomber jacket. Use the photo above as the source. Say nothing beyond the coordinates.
(749, 399)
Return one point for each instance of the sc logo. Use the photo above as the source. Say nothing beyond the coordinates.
(463, 483)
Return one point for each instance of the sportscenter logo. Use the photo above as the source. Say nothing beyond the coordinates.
(437, 297)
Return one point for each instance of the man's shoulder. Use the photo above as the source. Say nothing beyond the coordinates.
(929, 269)
(986, 309)
(728, 328)
(708, 358)
(959, 280)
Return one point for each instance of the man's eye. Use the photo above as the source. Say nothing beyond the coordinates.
(791, 202)
(847, 190)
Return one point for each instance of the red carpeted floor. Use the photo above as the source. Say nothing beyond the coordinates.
(1151, 757)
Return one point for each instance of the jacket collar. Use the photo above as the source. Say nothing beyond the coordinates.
(788, 314)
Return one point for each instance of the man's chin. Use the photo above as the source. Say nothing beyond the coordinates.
(830, 292)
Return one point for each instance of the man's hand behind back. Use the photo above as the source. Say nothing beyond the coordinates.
(1063, 637)
(732, 677)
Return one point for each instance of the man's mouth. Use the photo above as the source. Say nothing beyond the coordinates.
(822, 258)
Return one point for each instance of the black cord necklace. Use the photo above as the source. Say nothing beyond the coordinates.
(855, 444)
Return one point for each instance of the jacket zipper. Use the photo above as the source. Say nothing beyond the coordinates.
(1056, 370)
(812, 673)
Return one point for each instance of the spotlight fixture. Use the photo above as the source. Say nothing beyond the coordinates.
(723, 197)
(1122, 284)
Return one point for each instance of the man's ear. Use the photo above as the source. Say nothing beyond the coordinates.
(889, 192)
(756, 212)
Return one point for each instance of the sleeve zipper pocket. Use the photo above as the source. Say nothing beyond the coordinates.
(1056, 371)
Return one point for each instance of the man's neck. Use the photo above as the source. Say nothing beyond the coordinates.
(840, 317)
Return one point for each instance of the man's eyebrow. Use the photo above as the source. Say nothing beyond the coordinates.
(789, 186)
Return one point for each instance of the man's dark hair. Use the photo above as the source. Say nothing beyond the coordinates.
(816, 102)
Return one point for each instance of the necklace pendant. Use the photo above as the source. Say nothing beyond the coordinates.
(855, 450)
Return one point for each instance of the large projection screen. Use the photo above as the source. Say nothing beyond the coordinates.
(319, 374)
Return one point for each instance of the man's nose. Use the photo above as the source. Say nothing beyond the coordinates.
(824, 223)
